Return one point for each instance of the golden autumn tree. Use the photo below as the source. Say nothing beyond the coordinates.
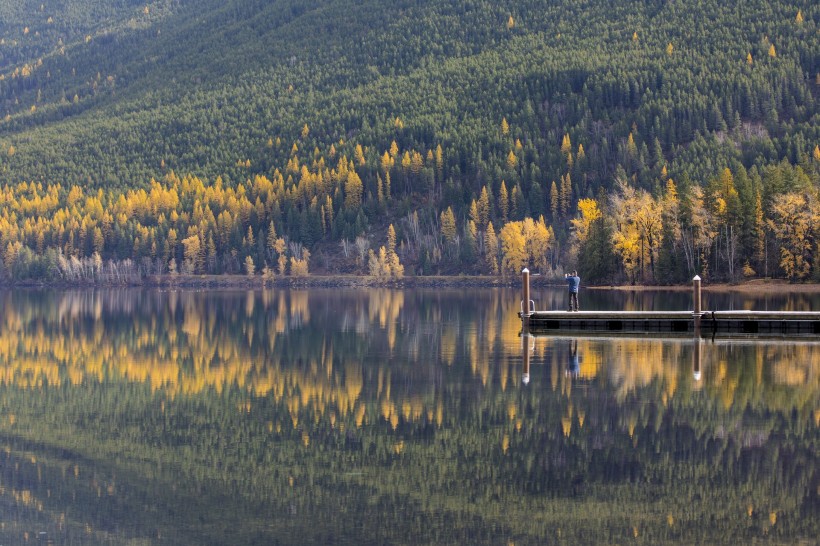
(649, 223)
(793, 221)
(513, 248)
(448, 226)
(539, 239)
(192, 254)
(626, 238)
(512, 161)
(566, 145)
(353, 191)
(396, 268)
(299, 266)
(588, 212)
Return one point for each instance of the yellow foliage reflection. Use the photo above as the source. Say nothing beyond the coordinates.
(309, 354)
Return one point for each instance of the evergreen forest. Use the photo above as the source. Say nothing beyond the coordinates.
(636, 141)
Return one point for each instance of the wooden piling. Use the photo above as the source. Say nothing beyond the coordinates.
(697, 310)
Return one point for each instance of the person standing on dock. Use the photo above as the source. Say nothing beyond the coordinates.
(573, 283)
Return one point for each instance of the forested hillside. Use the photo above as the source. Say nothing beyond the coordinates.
(640, 141)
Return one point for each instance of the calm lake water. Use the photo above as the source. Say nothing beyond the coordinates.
(378, 416)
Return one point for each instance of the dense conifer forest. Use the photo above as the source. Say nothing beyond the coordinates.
(642, 141)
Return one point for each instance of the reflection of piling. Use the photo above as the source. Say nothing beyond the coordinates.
(696, 355)
(525, 353)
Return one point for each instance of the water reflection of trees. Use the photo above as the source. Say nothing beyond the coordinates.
(296, 398)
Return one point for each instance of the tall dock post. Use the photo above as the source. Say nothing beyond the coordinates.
(697, 310)
(526, 306)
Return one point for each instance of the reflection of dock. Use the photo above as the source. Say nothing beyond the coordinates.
(697, 321)
(711, 322)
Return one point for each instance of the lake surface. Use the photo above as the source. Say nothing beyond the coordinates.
(378, 416)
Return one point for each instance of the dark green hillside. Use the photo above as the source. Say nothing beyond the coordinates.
(208, 84)
(591, 91)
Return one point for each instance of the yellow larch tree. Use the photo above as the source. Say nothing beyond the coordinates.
(793, 221)
(539, 239)
(396, 268)
(358, 155)
(588, 212)
(353, 191)
(448, 226)
(512, 160)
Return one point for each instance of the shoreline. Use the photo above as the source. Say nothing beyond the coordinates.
(226, 282)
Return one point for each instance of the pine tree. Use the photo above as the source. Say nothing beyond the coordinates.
(566, 195)
(503, 201)
(483, 207)
(491, 245)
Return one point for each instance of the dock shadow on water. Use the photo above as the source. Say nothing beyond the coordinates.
(379, 416)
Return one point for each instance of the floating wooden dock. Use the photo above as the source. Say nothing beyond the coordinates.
(680, 322)
(694, 322)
